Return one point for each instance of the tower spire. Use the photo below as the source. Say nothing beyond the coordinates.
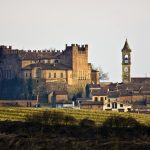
(126, 46)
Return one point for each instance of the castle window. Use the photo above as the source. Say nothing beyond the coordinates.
(54, 75)
(38, 72)
(26, 74)
(49, 75)
(56, 61)
(61, 75)
(46, 61)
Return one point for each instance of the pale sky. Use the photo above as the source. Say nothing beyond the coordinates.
(102, 24)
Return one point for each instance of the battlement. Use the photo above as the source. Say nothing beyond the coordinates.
(81, 48)
(8, 50)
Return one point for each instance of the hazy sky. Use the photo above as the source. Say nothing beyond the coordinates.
(102, 24)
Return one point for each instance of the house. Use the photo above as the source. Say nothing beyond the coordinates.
(100, 95)
(64, 105)
(57, 96)
(18, 103)
(141, 109)
(117, 106)
(91, 105)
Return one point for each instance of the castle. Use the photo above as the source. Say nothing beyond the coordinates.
(69, 66)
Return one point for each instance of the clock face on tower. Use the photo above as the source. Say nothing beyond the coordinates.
(125, 69)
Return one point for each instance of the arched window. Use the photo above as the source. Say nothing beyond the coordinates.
(126, 59)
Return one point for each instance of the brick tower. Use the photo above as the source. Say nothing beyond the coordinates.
(126, 63)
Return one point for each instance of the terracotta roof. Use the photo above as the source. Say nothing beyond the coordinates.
(94, 86)
(101, 92)
(84, 99)
(143, 80)
(32, 55)
(113, 94)
(125, 92)
(47, 66)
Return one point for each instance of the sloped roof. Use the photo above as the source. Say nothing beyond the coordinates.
(32, 55)
(94, 86)
(144, 80)
(46, 66)
(100, 92)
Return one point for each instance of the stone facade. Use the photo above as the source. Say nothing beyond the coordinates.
(69, 66)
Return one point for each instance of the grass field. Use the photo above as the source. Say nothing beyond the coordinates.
(19, 114)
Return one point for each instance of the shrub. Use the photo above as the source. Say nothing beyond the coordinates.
(87, 123)
(51, 118)
(69, 120)
(122, 122)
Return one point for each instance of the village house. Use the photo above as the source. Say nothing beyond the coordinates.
(117, 106)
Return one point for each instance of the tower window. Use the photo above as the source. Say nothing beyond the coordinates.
(38, 73)
(126, 59)
(49, 75)
(61, 75)
(56, 61)
(54, 75)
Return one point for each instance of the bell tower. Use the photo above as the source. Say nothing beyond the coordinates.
(126, 63)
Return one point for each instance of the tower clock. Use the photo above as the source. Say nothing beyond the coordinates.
(126, 63)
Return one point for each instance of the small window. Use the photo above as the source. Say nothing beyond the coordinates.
(114, 105)
(54, 75)
(108, 105)
(121, 105)
(96, 99)
(105, 98)
(56, 61)
(49, 75)
(61, 75)
(102, 99)
(26, 74)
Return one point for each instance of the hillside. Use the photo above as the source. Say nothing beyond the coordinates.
(19, 114)
(29, 128)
